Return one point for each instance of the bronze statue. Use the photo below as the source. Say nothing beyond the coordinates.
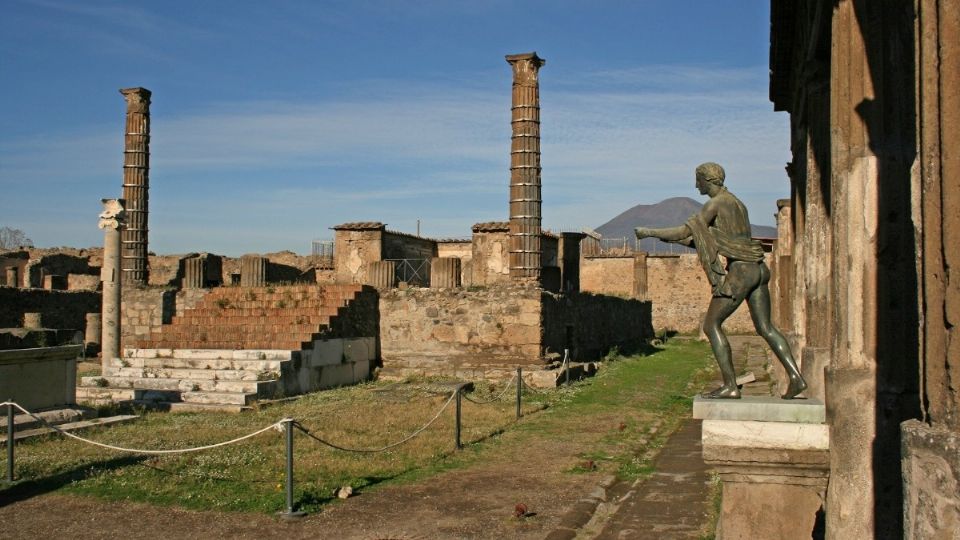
(722, 229)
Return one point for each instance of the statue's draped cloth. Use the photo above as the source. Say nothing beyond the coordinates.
(711, 243)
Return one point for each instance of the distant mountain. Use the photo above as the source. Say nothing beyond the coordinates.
(666, 213)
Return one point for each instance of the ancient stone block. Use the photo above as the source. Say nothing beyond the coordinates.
(253, 271)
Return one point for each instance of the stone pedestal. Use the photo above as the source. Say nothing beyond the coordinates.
(444, 272)
(773, 458)
(253, 271)
(382, 274)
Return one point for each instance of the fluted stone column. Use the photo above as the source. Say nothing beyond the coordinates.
(194, 273)
(136, 183)
(253, 271)
(382, 274)
(525, 198)
(444, 272)
(13, 277)
(111, 221)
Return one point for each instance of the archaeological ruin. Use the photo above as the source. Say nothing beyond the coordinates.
(864, 285)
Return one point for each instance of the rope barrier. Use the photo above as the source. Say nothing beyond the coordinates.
(387, 447)
(499, 396)
(276, 425)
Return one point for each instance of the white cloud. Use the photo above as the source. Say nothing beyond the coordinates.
(398, 151)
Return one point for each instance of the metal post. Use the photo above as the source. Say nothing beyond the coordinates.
(566, 364)
(290, 513)
(457, 429)
(519, 389)
(10, 441)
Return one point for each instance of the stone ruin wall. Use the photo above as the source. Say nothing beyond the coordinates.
(675, 286)
(486, 332)
(62, 310)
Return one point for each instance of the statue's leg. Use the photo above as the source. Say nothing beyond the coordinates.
(720, 308)
(759, 303)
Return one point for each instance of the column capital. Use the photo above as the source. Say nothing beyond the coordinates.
(137, 97)
(114, 214)
(525, 67)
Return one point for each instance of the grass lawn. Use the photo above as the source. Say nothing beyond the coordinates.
(618, 417)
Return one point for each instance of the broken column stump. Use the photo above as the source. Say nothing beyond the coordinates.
(444, 272)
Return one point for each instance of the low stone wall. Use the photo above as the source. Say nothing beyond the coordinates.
(432, 330)
(481, 332)
(590, 324)
(58, 309)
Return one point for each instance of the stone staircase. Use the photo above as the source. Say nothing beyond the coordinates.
(239, 345)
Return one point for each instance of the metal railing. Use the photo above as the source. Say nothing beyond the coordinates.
(412, 271)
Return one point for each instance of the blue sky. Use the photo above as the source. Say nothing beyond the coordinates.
(273, 121)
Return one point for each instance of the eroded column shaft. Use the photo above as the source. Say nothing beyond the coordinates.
(136, 183)
(525, 197)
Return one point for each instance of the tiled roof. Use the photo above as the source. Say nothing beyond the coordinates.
(492, 226)
(359, 226)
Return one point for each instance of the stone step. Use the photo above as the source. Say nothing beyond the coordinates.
(62, 415)
(71, 426)
(210, 354)
(213, 364)
(292, 345)
(102, 395)
(262, 388)
(180, 406)
(218, 398)
(189, 373)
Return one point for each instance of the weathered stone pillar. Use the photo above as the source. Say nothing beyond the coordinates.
(136, 183)
(194, 273)
(13, 277)
(525, 197)
(444, 273)
(253, 271)
(32, 321)
(111, 221)
(91, 334)
(931, 448)
(382, 274)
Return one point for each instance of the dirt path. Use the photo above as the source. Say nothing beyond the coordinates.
(474, 502)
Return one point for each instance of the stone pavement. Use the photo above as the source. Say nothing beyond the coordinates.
(674, 501)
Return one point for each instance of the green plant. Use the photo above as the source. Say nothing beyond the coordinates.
(101, 382)
(222, 303)
(251, 296)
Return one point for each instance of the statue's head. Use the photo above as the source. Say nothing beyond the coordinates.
(712, 173)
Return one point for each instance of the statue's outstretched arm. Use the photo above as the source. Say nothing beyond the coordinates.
(679, 235)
